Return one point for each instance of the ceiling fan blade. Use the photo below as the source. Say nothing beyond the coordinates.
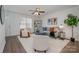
(31, 10)
(42, 11)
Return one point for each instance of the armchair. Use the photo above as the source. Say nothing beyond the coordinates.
(24, 33)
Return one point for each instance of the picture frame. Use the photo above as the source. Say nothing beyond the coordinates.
(2, 14)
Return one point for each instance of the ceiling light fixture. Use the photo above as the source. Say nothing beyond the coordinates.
(36, 13)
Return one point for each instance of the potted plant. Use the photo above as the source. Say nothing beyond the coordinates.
(72, 21)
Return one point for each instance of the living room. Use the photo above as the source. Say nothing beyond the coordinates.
(37, 28)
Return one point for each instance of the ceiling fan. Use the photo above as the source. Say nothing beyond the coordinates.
(37, 11)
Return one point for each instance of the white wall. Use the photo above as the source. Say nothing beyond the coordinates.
(13, 21)
(2, 33)
(61, 15)
(2, 37)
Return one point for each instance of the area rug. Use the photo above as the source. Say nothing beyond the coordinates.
(55, 45)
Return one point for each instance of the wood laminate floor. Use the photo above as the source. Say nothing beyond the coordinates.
(71, 47)
(13, 45)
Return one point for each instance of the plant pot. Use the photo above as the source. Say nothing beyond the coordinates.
(72, 39)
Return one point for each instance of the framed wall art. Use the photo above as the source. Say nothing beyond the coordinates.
(52, 21)
(2, 15)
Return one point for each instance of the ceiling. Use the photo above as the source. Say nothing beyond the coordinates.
(47, 8)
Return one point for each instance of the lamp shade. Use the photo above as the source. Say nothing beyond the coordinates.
(22, 26)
